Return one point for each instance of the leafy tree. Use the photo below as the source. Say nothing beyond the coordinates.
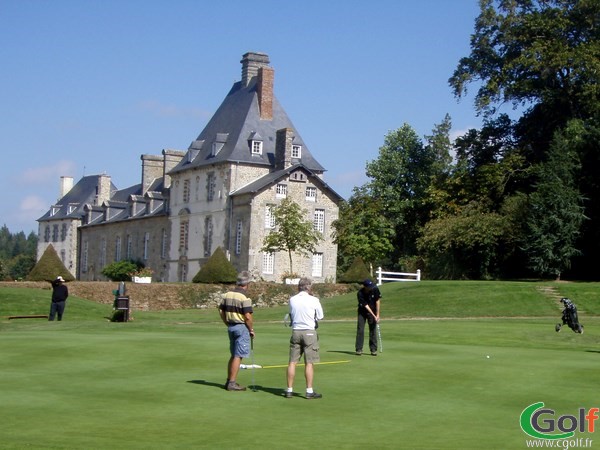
(121, 270)
(49, 267)
(292, 233)
(555, 208)
(218, 269)
(399, 180)
(362, 230)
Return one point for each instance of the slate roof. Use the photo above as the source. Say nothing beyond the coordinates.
(234, 124)
(70, 206)
(273, 177)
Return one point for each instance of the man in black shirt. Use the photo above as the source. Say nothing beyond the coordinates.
(368, 311)
(59, 298)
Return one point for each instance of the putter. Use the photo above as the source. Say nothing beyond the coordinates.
(252, 360)
(379, 338)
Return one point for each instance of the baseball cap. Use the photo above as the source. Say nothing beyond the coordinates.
(368, 283)
(59, 278)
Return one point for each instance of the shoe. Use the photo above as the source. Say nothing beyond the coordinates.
(313, 395)
(373, 353)
(358, 353)
(233, 386)
(287, 394)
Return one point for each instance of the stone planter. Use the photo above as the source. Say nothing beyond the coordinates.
(141, 279)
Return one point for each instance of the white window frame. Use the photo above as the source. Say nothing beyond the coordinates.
(146, 244)
(118, 248)
(281, 190)
(296, 151)
(163, 244)
(319, 220)
(269, 217)
(317, 265)
(311, 194)
(129, 247)
(256, 147)
(268, 263)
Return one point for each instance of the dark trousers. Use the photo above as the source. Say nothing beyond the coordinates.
(56, 308)
(360, 333)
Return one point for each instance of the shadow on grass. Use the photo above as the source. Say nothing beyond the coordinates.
(345, 352)
(256, 388)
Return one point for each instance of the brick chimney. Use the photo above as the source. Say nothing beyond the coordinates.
(283, 148)
(251, 62)
(264, 88)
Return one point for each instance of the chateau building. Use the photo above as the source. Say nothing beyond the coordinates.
(221, 192)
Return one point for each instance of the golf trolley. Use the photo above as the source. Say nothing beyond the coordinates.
(569, 317)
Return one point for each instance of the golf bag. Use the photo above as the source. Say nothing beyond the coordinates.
(569, 317)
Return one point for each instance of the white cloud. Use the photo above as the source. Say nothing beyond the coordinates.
(45, 174)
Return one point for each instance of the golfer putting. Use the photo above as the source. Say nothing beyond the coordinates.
(369, 308)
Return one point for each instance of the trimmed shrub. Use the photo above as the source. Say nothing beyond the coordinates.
(217, 269)
(356, 273)
(120, 270)
(49, 267)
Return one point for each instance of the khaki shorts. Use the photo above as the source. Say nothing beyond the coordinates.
(304, 342)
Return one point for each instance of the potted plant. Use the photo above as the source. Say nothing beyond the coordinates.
(142, 275)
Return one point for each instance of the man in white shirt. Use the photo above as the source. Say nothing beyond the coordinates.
(305, 311)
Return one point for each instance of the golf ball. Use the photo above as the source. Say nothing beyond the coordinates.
(488, 356)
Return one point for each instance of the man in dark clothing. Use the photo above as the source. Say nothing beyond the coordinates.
(59, 298)
(368, 311)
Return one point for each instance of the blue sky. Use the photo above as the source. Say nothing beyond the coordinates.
(88, 86)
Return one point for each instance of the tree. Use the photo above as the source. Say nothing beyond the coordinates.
(555, 208)
(49, 267)
(362, 230)
(218, 269)
(292, 233)
(531, 52)
(121, 270)
(399, 179)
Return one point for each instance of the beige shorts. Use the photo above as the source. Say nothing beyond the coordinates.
(304, 342)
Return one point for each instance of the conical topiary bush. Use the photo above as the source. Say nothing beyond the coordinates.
(49, 267)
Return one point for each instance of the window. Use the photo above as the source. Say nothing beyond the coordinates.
(118, 248)
(186, 191)
(317, 264)
(84, 257)
(184, 227)
(63, 255)
(281, 190)
(183, 269)
(47, 233)
(268, 260)
(163, 244)
(208, 232)
(103, 253)
(256, 147)
(311, 194)
(63, 232)
(146, 242)
(129, 247)
(269, 216)
(210, 187)
(296, 151)
(238, 237)
(54, 233)
(198, 188)
(319, 220)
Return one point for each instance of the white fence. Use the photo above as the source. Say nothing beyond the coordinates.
(396, 276)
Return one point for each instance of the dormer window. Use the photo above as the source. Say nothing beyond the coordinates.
(281, 190)
(296, 151)
(216, 148)
(256, 147)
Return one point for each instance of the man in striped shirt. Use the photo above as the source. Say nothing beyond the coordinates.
(236, 312)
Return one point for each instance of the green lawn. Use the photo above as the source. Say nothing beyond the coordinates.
(157, 382)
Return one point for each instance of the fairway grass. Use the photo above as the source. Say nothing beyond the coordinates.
(157, 382)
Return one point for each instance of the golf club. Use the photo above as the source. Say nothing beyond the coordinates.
(252, 360)
(379, 338)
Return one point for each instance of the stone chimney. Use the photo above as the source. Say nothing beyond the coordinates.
(264, 88)
(251, 62)
(152, 168)
(66, 184)
(283, 148)
(171, 159)
(103, 189)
